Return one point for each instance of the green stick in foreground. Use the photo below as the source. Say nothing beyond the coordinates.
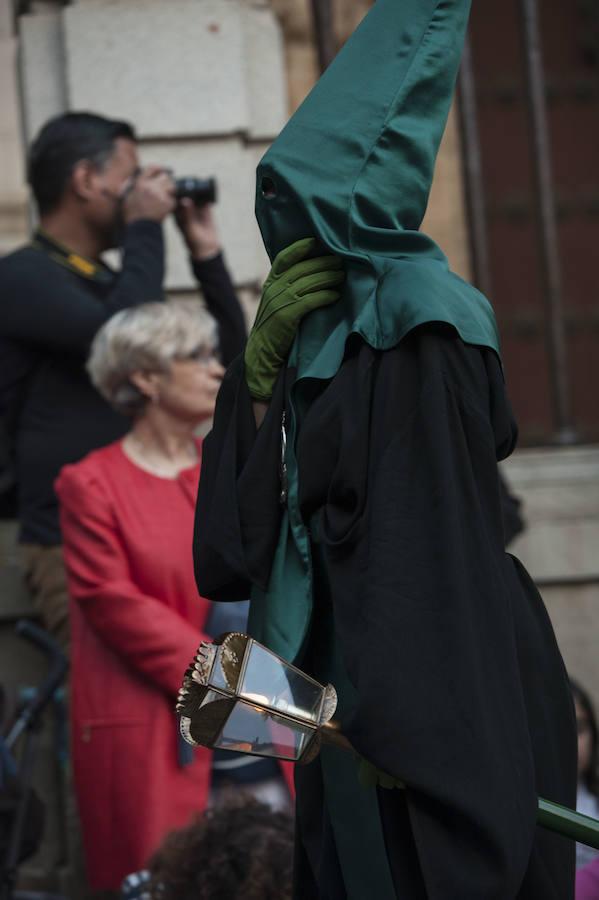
(568, 823)
(239, 695)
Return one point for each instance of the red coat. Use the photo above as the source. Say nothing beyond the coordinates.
(136, 622)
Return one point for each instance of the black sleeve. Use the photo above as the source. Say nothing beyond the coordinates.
(238, 513)
(422, 599)
(142, 275)
(56, 310)
(223, 304)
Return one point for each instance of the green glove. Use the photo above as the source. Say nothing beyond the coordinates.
(369, 776)
(295, 286)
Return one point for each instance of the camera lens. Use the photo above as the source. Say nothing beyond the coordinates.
(200, 190)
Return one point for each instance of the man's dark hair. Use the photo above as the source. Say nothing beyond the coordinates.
(61, 144)
(239, 849)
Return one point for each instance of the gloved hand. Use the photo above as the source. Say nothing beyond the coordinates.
(294, 287)
(369, 776)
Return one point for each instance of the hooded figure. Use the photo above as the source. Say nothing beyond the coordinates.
(364, 513)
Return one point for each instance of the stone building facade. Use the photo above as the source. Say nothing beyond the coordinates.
(208, 85)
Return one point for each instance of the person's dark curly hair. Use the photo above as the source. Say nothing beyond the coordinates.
(240, 849)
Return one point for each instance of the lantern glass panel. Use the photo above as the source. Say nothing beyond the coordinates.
(249, 729)
(210, 697)
(217, 676)
(270, 681)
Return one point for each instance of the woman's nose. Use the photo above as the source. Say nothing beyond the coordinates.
(216, 368)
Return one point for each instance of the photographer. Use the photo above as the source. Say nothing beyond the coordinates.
(56, 293)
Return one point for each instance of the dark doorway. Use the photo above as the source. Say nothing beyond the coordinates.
(570, 47)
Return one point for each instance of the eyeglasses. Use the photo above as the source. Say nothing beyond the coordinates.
(202, 355)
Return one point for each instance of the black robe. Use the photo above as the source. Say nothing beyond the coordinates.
(457, 683)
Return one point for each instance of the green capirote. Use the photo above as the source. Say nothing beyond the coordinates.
(296, 285)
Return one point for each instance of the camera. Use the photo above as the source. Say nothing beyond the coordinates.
(200, 190)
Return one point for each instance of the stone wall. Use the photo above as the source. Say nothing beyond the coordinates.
(300, 50)
(13, 196)
(203, 82)
(560, 547)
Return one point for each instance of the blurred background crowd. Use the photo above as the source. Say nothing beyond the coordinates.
(200, 88)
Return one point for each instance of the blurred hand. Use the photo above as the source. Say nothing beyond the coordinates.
(152, 196)
(198, 229)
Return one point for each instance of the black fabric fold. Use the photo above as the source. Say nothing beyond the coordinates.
(460, 689)
(238, 510)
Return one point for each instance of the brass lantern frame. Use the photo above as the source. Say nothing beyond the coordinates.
(214, 684)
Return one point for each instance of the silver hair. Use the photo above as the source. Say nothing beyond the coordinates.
(146, 338)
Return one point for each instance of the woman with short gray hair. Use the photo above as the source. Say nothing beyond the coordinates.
(127, 515)
(157, 363)
(147, 338)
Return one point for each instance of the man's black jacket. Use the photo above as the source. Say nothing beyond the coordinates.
(51, 306)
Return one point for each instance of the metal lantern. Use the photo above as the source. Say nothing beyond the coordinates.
(239, 695)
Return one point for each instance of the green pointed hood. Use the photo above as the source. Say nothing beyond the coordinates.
(354, 167)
